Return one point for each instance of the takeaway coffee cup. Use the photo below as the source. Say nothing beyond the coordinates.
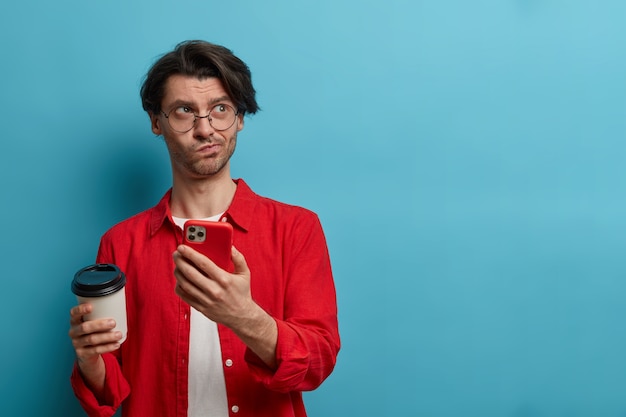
(102, 285)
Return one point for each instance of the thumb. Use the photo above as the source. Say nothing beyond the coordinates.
(239, 262)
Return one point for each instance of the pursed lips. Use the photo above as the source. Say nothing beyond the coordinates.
(208, 147)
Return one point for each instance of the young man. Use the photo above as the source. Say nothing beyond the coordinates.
(203, 341)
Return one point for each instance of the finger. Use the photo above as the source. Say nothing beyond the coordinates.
(83, 354)
(87, 352)
(187, 274)
(77, 312)
(239, 261)
(203, 263)
(91, 326)
(80, 309)
(97, 339)
(182, 283)
(194, 291)
(187, 297)
(198, 275)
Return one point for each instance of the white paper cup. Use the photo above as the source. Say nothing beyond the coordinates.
(102, 285)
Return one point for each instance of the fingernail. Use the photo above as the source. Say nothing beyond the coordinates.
(111, 323)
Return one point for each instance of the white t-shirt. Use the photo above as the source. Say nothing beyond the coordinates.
(207, 388)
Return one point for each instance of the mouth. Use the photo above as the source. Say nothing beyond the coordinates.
(208, 148)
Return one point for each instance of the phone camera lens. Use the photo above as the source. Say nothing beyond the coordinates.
(192, 237)
(200, 234)
(192, 229)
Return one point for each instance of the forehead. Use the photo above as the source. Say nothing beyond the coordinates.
(193, 90)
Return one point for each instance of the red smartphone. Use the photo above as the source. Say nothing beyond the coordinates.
(212, 239)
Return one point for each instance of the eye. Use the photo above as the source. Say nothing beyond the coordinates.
(183, 111)
(220, 108)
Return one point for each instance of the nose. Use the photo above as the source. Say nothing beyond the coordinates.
(202, 128)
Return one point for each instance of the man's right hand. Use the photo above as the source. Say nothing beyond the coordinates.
(90, 340)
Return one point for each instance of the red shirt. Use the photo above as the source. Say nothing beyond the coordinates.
(291, 279)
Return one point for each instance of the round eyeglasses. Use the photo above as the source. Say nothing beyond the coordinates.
(182, 119)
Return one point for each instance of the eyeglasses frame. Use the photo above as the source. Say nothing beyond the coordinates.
(197, 116)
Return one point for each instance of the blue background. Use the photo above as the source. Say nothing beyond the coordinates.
(466, 160)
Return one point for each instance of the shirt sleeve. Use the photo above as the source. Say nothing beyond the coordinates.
(308, 336)
(115, 389)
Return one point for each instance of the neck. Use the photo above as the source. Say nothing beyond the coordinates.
(206, 197)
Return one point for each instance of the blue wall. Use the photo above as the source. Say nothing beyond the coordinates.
(466, 159)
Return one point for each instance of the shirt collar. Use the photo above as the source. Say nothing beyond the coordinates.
(239, 214)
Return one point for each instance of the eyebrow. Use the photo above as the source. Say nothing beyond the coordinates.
(211, 102)
(217, 100)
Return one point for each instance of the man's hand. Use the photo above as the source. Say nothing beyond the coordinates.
(219, 295)
(225, 298)
(90, 340)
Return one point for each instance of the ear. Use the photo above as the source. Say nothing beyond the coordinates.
(155, 123)
(239, 122)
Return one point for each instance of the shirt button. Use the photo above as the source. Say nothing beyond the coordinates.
(234, 409)
(229, 362)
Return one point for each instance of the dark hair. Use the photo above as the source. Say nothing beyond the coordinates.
(200, 59)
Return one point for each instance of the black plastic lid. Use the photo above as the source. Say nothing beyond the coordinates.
(98, 280)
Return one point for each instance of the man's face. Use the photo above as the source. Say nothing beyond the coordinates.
(202, 151)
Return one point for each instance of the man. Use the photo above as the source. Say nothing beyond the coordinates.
(203, 341)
